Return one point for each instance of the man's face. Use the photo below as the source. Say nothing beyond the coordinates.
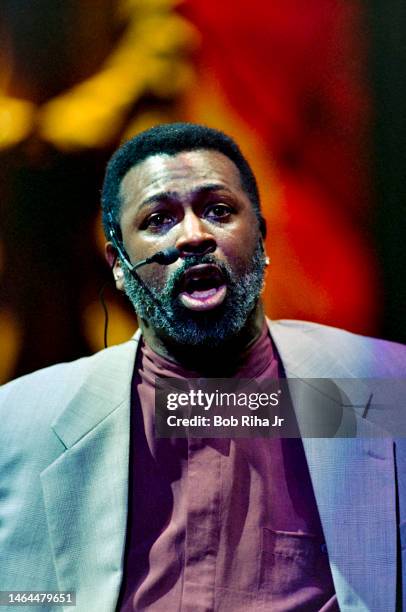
(194, 201)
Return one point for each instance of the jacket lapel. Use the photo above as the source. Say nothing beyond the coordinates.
(353, 478)
(85, 490)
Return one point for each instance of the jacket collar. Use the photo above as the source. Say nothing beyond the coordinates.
(107, 384)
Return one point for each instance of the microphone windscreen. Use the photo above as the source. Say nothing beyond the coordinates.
(166, 256)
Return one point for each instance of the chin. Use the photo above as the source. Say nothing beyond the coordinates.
(209, 329)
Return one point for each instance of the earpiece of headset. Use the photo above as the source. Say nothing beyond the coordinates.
(117, 243)
(164, 257)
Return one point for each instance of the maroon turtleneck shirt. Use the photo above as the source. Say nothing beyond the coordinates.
(220, 525)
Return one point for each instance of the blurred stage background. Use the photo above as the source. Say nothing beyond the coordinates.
(313, 90)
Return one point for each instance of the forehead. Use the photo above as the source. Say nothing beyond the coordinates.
(180, 173)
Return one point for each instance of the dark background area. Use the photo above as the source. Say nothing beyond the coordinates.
(388, 84)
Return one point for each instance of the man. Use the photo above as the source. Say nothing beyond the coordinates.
(93, 501)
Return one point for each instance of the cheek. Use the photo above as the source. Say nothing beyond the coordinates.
(239, 252)
(141, 249)
(155, 275)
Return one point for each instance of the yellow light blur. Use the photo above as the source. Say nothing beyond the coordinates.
(16, 120)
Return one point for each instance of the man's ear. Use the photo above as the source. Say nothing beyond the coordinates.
(263, 249)
(115, 265)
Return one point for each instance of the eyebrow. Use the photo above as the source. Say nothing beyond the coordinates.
(168, 196)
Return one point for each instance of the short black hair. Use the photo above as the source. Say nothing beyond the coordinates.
(170, 139)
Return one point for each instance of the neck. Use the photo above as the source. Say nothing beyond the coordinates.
(218, 362)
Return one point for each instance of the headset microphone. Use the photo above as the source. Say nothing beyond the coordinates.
(164, 257)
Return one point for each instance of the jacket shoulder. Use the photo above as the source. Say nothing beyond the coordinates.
(46, 391)
(364, 356)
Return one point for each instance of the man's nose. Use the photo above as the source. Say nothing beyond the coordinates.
(194, 238)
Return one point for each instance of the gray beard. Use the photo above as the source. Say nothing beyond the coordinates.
(167, 315)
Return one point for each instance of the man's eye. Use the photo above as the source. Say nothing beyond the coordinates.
(158, 220)
(219, 211)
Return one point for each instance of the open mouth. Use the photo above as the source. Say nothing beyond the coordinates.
(203, 287)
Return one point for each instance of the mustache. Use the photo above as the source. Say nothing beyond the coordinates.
(175, 280)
